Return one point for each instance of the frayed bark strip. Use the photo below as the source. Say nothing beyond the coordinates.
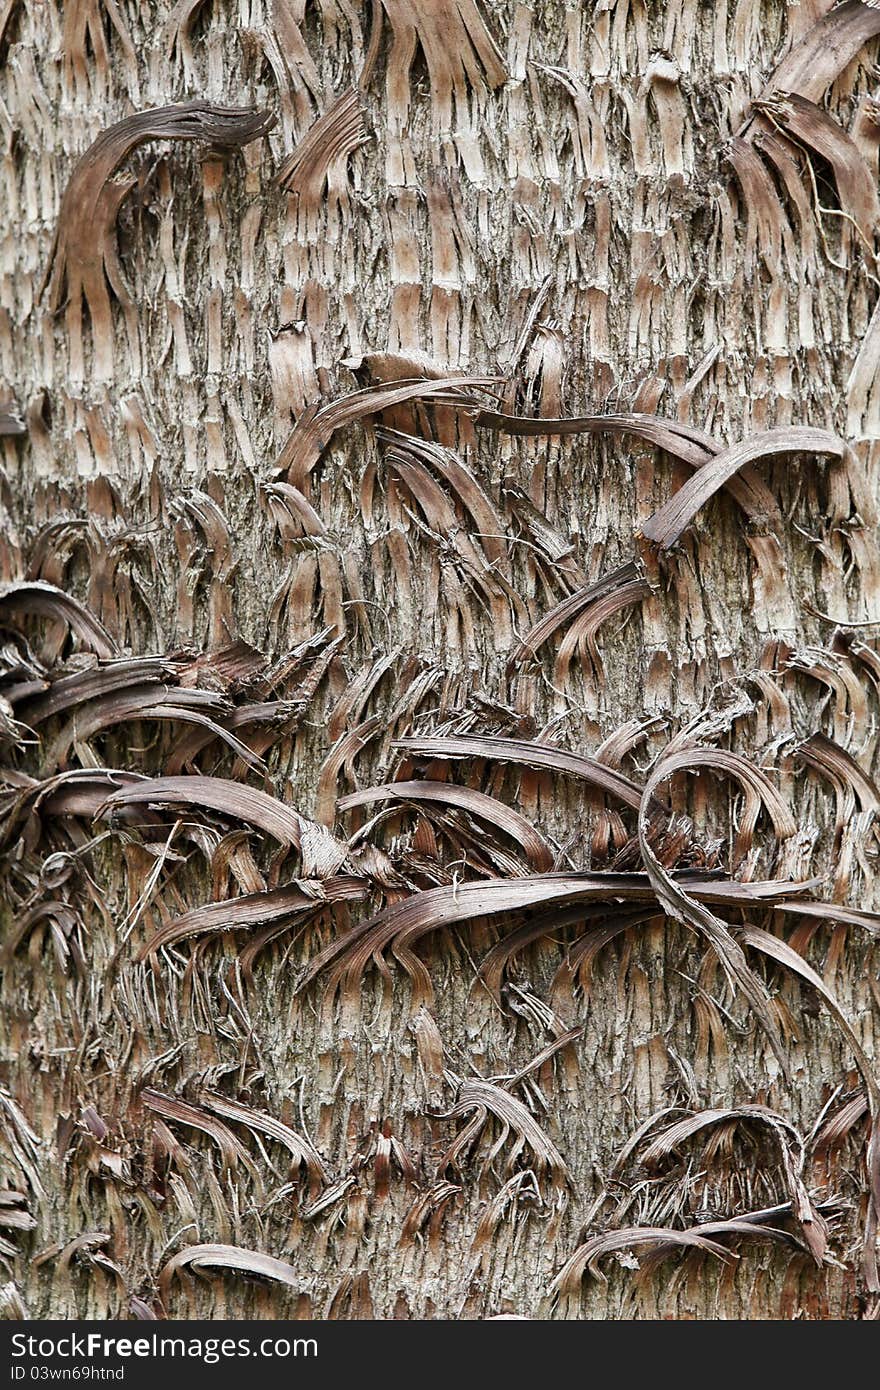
(691, 446)
(527, 754)
(316, 427)
(666, 525)
(585, 1259)
(840, 767)
(783, 954)
(253, 1262)
(232, 1151)
(625, 580)
(84, 45)
(481, 1099)
(477, 804)
(292, 901)
(328, 144)
(405, 922)
(826, 49)
(47, 601)
(459, 51)
(233, 799)
(678, 903)
(791, 1147)
(301, 1150)
(812, 126)
(84, 264)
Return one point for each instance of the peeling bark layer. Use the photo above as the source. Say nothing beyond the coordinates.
(439, 678)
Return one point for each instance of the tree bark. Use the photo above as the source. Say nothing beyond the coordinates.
(319, 421)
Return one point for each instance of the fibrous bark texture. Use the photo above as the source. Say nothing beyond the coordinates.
(439, 665)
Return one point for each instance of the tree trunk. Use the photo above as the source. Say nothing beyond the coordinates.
(310, 429)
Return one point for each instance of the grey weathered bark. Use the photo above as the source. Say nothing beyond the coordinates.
(529, 210)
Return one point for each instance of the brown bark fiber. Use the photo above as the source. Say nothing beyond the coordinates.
(439, 662)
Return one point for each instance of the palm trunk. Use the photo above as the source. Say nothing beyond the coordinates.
(309, 428)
